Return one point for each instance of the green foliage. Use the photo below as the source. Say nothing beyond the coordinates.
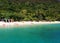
(30, 11)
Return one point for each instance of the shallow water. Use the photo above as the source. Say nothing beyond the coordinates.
(48, 33)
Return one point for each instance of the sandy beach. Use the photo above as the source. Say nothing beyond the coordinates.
(12, 24)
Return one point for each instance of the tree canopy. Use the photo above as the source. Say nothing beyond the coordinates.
(30, 10)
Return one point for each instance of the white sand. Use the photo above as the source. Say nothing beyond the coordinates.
(12, 24)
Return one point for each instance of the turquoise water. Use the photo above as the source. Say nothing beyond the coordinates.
(48, 33)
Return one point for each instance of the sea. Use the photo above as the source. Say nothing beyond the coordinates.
(36, 33)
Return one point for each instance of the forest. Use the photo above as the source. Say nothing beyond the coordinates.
(30, 10)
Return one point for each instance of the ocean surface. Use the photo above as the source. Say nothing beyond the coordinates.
(40, 33)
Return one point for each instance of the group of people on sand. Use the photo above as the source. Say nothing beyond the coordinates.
(7, 20)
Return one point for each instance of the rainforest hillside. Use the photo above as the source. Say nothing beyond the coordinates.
(30, 10)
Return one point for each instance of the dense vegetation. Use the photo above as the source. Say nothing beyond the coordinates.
(20, 10)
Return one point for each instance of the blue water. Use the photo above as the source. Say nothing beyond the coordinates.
(48, 33)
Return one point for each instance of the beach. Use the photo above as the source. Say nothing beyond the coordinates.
(30, 32)
(48, 33)
(22, 23)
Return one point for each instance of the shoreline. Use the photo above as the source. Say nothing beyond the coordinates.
(23, 23)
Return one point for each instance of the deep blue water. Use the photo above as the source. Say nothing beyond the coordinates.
(48, 33)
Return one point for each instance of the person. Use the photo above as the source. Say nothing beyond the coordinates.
(11, 20)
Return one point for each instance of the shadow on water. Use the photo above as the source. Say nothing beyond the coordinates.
(48, 33)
